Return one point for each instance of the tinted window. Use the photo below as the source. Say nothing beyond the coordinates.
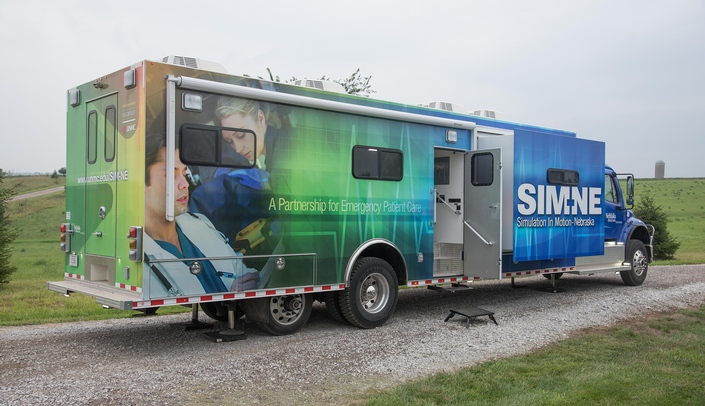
(204, 145)
(482, 169)
(377, 163)
(110, 134)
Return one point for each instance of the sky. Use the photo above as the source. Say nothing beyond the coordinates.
(630, 73)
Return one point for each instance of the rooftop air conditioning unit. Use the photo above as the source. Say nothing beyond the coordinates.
(195, 63)
(321, 85)
(447, 106)
(489, 114)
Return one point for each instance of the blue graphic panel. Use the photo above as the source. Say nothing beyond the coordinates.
(558, 201)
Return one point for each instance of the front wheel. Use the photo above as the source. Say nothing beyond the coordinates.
(640, 264)
(372, 296)
(287, 314)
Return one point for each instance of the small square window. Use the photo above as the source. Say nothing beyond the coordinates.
(192, 102)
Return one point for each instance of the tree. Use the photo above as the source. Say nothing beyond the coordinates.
(355, 84)
(665, 245)
(62, 171)
(7, 235)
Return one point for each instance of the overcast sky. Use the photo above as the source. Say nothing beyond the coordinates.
(630, 73)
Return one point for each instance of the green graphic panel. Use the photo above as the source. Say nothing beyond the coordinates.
(287, 199)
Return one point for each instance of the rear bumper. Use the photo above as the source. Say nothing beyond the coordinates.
(103, 294)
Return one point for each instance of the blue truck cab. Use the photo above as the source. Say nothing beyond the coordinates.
(623, 229)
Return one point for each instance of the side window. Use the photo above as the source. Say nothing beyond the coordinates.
(206, 146)
(565, 177)
(92, 143)
(377, 163)
(110, 134)
(610, 190)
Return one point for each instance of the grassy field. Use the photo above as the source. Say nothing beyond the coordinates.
(615, 366)
(26, 300)
(654, 362)
(684, 201)
(27, 184)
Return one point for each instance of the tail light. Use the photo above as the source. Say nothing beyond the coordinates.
(66, 237)
(135, 242)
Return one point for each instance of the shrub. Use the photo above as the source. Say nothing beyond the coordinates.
(665, 245)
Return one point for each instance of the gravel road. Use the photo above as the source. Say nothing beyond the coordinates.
(38, 193)
(147, 360)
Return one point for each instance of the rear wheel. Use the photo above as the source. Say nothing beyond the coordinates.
(287, 314)
(149, 311)
(332, 300)
(372, 296)
(219, 312)
(556, 275)
(640, 264)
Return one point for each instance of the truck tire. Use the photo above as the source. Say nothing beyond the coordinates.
(370, 299)
(636, 254)
(332, 300)
(557, 275)
(149, 311)
(286, 314)
(219, 312)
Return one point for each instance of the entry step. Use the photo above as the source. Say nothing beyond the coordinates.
(471, 313)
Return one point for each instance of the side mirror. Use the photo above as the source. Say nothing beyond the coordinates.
(630, 191)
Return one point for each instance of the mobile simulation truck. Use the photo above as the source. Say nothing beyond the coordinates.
(193, 187)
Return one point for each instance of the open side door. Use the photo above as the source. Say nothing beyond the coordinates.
(482, 221)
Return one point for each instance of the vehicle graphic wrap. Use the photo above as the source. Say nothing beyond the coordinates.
(558, 201)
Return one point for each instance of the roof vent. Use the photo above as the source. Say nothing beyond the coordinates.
(194, 63)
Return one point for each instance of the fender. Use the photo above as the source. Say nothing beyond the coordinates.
(380, 248)
(637, 229)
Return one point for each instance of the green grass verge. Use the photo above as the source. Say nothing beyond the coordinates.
(684, 201)
(25, 299)
(655, 362)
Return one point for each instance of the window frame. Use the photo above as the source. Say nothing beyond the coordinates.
(379, 173)
(92, 147)
(220, 144)
(106, 156)
(474, 169)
